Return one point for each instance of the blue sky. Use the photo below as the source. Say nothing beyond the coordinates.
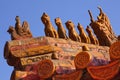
(32, 10)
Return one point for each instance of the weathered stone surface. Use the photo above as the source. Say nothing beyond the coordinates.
(29, 52)
(76, 75)
(24, 75)
(28, 47)
(64, 66)
(65, 51)
(38, 71)
(23, 50)
(32, 59)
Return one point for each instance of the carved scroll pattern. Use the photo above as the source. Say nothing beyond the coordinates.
(45, 68)
(81, 60)
(115, 50)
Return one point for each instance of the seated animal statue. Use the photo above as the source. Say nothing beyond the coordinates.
(49, 29)
(20, 32)
(14, 35)
(60, 29)
(72, 33)
(83, 35)
(93, 39)
(26, 29)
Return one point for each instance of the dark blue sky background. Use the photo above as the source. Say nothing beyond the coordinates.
(32, 10)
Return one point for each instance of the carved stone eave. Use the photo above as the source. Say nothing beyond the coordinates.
(68, 54)
(20, 49)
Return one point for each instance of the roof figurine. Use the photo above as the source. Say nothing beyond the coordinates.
(20, 32)
(49, 29)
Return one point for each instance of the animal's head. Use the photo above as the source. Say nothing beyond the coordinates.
(58, 21)
(80, 28)
(11, 29)
(99, 27)
(17, 19)
(25, 24)
(45, 18)
(69, 24)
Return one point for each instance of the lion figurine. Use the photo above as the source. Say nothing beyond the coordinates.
(23, 30)
(49, 29)
(19, 32)
(61, 30)
(83, 35)
(72, 33)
